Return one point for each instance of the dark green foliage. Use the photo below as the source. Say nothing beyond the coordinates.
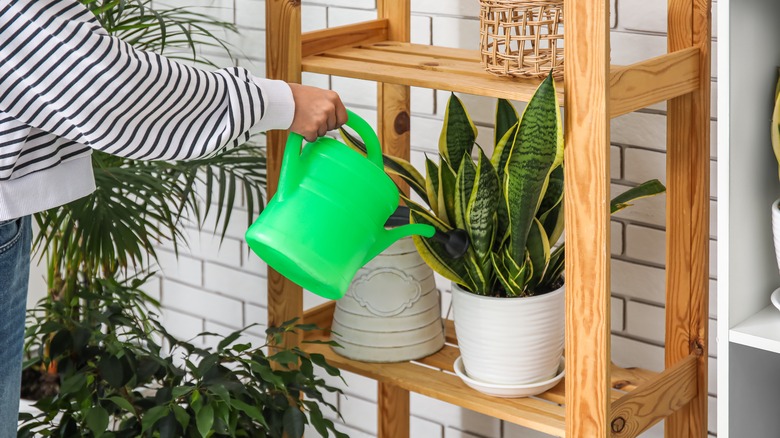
(122, 374)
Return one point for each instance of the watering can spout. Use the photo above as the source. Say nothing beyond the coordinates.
(389, 237)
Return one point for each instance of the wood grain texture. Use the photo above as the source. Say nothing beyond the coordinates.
(587, 180)
(393, 100)
(537, 414)
(283, 61)
(393, 407)
(687, 251)
(319, 41)
(651, 402)
(655, 80)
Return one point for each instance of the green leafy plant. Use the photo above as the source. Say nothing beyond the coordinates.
(510, 204)
(95, 341)
(117, 379)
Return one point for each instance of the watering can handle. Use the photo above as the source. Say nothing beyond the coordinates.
(291, 172)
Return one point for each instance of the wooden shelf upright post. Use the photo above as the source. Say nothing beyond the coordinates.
(283, 61)
(688, 218)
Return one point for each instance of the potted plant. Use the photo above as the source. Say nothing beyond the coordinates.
(97, 366)
(508, 290)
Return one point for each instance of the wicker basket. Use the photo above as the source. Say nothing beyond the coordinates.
(522, 38)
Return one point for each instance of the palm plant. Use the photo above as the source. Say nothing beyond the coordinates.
(93, 336)
(511, 204)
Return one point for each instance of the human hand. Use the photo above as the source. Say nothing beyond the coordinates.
(317, 111)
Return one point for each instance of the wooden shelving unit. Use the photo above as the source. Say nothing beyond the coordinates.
(596, 399)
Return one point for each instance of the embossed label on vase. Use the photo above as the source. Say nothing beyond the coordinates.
(385, 291)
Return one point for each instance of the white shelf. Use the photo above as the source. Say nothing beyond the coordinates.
(761, 330)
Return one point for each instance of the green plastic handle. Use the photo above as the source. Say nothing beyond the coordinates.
(291, 173)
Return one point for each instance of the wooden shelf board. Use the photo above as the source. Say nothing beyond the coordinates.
(433, 376)
(421, 66)
(761, 330)
(633, 87)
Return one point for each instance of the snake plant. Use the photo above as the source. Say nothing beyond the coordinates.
(510, 204)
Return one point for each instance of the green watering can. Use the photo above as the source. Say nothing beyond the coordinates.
(327, 217)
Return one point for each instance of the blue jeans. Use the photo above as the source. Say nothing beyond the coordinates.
(15, 239)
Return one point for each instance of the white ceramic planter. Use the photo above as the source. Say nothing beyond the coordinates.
(776, 229)
(391, 311)
(509, 341)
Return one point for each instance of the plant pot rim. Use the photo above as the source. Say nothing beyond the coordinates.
(456, 287)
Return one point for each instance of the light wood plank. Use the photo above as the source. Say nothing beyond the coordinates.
(687, 252)
(587, 181)
(319, 41)
(393, 411)
(529, 412)
(636, 411)
(655, 80)
(283, 61)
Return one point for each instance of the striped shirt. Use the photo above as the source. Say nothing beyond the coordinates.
(67, 86)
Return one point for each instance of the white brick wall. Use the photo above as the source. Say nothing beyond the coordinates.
(219, 288)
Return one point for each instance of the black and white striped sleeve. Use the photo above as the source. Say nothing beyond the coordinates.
(60, 72)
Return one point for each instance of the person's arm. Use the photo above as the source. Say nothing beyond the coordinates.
(63, 74)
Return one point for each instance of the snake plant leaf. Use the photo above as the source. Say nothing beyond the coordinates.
(434, 254)
(537, 150)
(644, 190)
(551, 210)
(393, 165)
(506, 118)
(432, 183)
(458, 133)
(502, 149)
(509, 274)
(775, 131)
(446, 195)
(538, 252)
(481, 208)
(464, 184)
(554, 270)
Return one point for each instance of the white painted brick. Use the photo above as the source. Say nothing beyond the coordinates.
(612, 14)
(638, 281)
(183, 268)
(254, 314)
(362, 4)
(207, 246)
(152, 288)
(359, 413)
(245, 338)
(237, 284)
(642, 165)
(645, 244)
(465, 8)
(194, 301)
(248, 43)
(647, 16)
(314, 18)
(350, 431)
(481, 109)
(512, 430)
(421, 29)
(645, 321)
(310, 300)
(315, 80)
(712, 374)
(456, 32)
(236, 227)
(253, 264)
(218, 9)
(617, 310)
(713, 258)
(648, 130)
(422, 428)
(354, 385)
(182, 326)
(631, 353)
(250, 14)
(425, 134)
(616, 238)
(650, 16)
(713, 299)
(455, 433)
(657, 431)
(712, 344)
(355, 91)
(628, 48)
(453, 416)
(650, 210)
(342, 16)
(614, 162)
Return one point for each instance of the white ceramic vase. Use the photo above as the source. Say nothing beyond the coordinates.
(392, 309)
(509, 341)
(776, 229)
